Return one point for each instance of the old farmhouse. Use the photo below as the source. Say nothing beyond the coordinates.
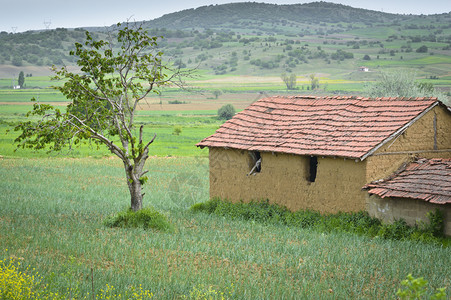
(318, 152)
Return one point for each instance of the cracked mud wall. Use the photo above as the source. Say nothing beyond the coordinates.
(284, 179)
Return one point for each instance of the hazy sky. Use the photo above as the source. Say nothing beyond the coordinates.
(23, 15)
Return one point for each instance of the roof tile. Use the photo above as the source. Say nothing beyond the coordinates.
(308, 125)
(424, 179)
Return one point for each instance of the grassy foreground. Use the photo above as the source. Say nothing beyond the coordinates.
(51, 220)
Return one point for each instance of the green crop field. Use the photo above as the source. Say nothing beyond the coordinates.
(53, 204)
(51, 220)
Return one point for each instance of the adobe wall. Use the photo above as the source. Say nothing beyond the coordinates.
(417, 140)
(412, 210)
(284, 180)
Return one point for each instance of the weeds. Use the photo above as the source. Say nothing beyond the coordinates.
(416, 288)
(17, 284)
(202, 292)
(352, 222)
(146, 218)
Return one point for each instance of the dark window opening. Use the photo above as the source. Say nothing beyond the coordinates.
(255, 162)
(313, 168)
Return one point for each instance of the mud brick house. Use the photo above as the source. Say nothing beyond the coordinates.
(422, 186)
(317, 153)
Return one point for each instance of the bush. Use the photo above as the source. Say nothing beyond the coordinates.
(416, 288)
(177, 130)
(352, 222)
(422, 49)
(436, 225)
(226, 112)
(176, 102)
(146, 218)
(401, 84)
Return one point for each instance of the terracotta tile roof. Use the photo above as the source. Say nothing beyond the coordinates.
(350, 127)
(428, 180)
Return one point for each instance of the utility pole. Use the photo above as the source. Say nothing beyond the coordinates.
(47, 23)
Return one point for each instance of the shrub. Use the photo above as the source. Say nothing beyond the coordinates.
(176, 102)
(177, 130)
(226, 112)
(436, 226)
(416, 288)
(146, 218)
(422, 49)
(208, 206)
(351, 222)
(399, 230)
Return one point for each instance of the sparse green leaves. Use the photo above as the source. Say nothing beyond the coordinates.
(416, 288)
(402, 84)
(115, 76)
(143, 179)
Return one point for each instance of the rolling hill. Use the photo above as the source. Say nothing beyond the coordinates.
(258, 39)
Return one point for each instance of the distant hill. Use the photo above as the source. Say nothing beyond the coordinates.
(267, 39)
(238, 15)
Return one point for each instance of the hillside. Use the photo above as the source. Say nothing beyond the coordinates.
(257, 39)
(251, 15)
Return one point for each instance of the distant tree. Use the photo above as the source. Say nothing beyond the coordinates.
(314, 81)
(366, 57)
(217, 93)
(341, 55)
(177, 130)
(17, 61)
(289, 80)
(21, 80)
(422, 49)
(226, 112)
(402, 84)
(179, 63)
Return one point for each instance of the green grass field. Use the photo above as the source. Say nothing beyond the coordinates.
(51, 220)
(53, 206)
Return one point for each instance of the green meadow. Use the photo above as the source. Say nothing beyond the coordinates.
(51, 220)
(53, 204)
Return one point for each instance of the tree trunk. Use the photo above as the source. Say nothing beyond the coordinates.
(134, 186)
(134, 172)
(136, 195)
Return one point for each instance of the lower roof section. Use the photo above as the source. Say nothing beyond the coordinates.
(424, 179)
